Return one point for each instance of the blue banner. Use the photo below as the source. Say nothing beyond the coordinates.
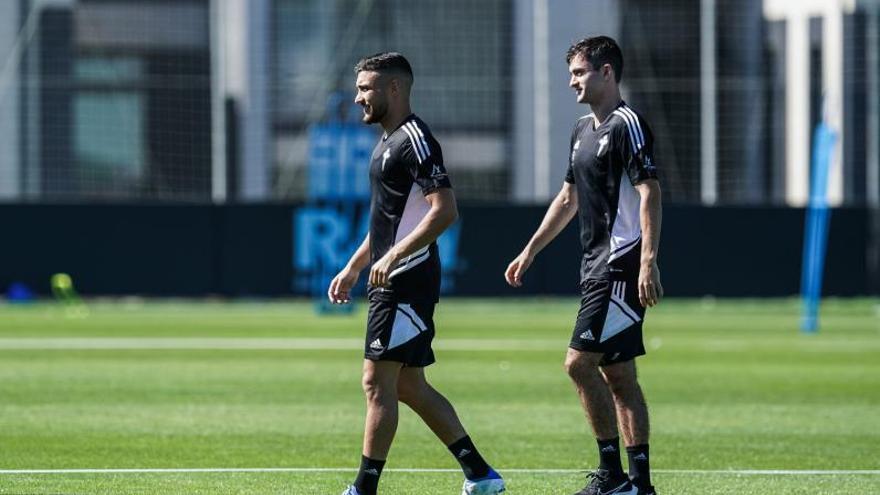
(325, 237)
(339, 161)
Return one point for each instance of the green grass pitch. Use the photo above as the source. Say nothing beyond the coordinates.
(733, 388)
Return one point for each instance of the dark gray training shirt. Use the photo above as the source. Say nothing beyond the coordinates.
(605, 163)
(406, 165)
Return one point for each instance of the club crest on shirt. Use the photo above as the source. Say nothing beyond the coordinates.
(385, 157)
(603, 145)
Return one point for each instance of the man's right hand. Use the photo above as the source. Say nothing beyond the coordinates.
(517, 268)
(341, 285)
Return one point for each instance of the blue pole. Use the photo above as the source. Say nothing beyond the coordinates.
(816, 227)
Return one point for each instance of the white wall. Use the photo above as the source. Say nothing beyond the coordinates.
(246, 37)
(544, 107)
(9, 99)
(797, 88)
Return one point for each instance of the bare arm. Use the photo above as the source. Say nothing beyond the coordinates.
(650, 218)
(341, 285)
(361, 257)
(559, 213)
(443, 212)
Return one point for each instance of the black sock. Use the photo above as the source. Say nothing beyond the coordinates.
(638, 465)
(609, 456)
(367, 481)
(471, 461)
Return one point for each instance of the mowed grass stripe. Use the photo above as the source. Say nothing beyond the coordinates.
(721, 345)
(318, 344)
(731, 384)
(744, 472)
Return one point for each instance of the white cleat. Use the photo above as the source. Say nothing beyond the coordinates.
(492, 484)
(351, 490)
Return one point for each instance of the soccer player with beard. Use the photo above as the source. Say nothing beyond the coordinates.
(412, 203)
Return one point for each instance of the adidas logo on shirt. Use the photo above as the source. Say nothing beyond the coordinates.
(588, 335)
(377, 345)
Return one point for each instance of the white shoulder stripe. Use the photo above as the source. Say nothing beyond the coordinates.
(412, 140)
(586, 116)
(420, 137)
(633, 122)
(633, 138)
(636, 122)
(423, 146)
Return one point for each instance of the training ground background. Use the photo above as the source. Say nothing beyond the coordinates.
(257, 398)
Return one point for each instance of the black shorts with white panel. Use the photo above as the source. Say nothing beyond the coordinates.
(610, 317)
(401, 332)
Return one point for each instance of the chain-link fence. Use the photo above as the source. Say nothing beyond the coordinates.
(120, 100)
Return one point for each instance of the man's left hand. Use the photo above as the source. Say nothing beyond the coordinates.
(650, 289)
(381, 270)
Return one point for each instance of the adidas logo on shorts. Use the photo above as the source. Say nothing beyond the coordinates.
(376, 345)
(588, 335)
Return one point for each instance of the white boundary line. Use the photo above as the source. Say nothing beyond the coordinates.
(344, 344)
(737, 472)
(223, 343)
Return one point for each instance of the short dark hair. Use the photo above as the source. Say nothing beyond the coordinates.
(598, 51)
(385, 62)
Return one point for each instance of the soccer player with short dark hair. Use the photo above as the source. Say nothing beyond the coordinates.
(612, 187)
(412, 204)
